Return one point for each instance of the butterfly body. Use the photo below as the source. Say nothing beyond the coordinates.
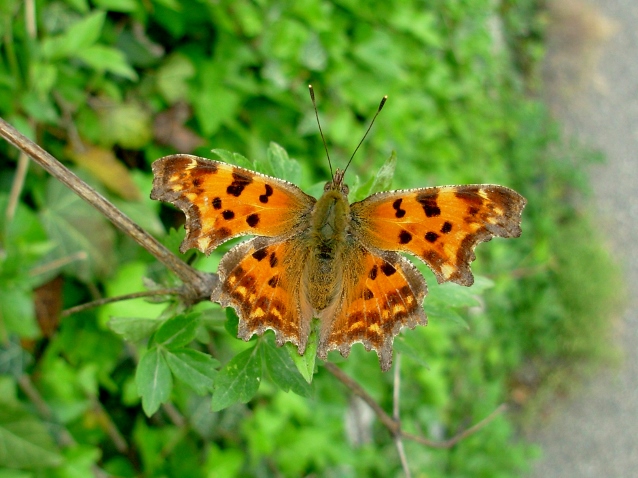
(326, 258)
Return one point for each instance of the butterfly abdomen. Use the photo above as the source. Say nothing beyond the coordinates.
(327, 238)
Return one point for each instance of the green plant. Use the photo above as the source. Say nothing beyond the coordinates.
(111, 87)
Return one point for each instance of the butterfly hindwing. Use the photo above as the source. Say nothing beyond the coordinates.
(222, 201)
(382, 292)
(440, 225)
(261, 280)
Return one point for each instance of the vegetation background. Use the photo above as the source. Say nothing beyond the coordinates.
(145, 387)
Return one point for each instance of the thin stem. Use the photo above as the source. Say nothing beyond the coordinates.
(198, 284)
(396, 397)
(109, 300)
(16, 186)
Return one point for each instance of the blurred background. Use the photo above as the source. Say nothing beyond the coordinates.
(532, 95)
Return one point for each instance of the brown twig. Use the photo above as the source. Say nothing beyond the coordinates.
(108, 300)
(394, 426)
(198, 284)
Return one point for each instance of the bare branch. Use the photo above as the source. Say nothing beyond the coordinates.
(394, 426)
(198, 284)
(109, 300)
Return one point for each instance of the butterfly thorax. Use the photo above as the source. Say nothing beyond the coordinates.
(328, 236)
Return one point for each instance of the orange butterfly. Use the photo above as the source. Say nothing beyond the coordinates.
(326, 258)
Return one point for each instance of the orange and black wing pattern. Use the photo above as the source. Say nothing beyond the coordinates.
(382, 293)
(222, 201)
(440, 225)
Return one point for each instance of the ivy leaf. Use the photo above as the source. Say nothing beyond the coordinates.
(24, 441)
(282, 370)
(194, 368)
(154, 380)
(238, 380)
(178, 331)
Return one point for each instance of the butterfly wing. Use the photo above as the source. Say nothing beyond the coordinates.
(261, 280)
(440, 225)
(222, 201)
(382, 292)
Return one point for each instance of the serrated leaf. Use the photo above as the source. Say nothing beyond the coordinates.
(154, 380)
(194, 368)
(24, 441)
(305, 363)
(281, 166)
(178, 331)
(383, 179)
(133, 328)
(282, 370)
(238, 380)
(233, 158)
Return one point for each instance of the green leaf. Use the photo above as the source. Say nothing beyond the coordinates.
(305, 363)
(401, 345)
(238, 380)
(453, 295)
(79, 36)
(436, 311)
(133, 328)
(172, 77)
(154, 380)
(24, 441)
(17, 313)
(281, 166)
(178, 331)
(282, 370)
(194, 368)
(383, 179)
(234, 158)
(232, 322)
(77, 229)
(105, 58)
(118, 5)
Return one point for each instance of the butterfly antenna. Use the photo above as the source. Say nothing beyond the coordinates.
(383, 100)
(325, 146)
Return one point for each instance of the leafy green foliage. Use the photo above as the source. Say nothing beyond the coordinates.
(109, 86)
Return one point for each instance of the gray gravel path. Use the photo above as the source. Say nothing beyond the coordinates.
(595, 434)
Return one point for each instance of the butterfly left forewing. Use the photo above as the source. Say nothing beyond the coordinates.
(222, 201)
(382, 292)
(440, 225)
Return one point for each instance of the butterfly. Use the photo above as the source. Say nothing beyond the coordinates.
(326, 258)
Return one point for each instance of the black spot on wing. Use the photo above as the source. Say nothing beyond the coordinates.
(429, 205)
(253, 220)
(240, 181)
